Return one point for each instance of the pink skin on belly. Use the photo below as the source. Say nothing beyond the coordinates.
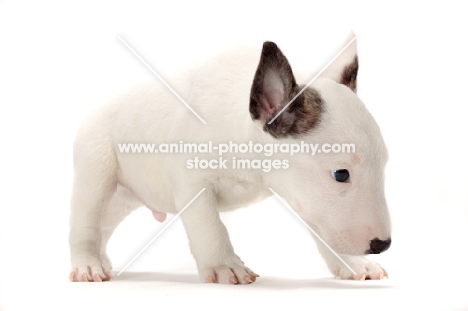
(159, 216)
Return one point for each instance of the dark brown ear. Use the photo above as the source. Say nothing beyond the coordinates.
(274, 86)
(349, 74)
(344, 68)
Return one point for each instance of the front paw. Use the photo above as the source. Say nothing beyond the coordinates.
(232, 271)
(365, 269)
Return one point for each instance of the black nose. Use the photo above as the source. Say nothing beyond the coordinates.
(378, 246)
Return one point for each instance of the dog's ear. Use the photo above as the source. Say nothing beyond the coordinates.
(273, 87)
(344, 69)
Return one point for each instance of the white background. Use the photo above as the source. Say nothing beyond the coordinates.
(58, 61)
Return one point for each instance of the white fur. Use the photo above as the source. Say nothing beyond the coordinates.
(108, 185)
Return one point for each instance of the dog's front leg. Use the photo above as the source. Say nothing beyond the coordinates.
(364, 268)
(210, 244)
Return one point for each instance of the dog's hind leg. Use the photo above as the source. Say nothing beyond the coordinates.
(94, 184)
(115, 211)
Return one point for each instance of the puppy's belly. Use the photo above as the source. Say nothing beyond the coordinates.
(159, 216)
(157, 213)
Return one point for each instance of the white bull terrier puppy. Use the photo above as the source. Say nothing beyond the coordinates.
(339, 195)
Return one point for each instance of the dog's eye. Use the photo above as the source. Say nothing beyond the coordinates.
(340, 175)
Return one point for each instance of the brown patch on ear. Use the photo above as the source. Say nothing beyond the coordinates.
(300, 117)
(349, 75)
(273, 87)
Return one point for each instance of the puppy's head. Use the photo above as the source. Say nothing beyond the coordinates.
(339, 194)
